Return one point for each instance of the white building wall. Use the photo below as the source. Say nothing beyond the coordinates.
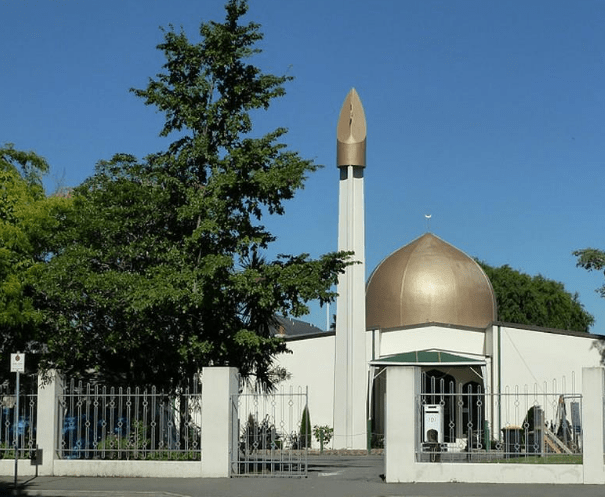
(432, 337)
(312, 365)
(549, 361)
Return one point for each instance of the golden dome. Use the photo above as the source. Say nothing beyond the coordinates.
(429, 281)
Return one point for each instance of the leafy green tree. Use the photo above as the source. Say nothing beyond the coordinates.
(28, 220)
(163, 268)
(536, 300)
(592, 259)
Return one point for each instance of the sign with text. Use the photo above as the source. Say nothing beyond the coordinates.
(17, 363)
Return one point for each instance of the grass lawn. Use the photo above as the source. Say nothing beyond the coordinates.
(550, 459)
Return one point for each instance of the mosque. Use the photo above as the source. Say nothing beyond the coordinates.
(428, 305)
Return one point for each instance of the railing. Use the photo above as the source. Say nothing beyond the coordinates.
(98, 422)
(272, 440)
(24, 435)
(467, 424)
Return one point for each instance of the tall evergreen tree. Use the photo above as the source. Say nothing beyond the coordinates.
(163, 268)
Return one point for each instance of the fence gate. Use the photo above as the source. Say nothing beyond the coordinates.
(269, 440)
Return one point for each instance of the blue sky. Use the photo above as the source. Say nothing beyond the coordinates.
(490, 116)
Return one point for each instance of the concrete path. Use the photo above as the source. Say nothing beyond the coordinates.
(328, 477)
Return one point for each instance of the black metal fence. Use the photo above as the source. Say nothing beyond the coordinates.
(464, 423)
(18, 430)
(99, 422)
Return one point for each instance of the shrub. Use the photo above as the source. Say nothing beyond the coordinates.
(259, 436)
(323, 434)
(305, 430)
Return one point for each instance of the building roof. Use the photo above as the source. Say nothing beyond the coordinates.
(289, 327)
(426, 358)
(429, 281)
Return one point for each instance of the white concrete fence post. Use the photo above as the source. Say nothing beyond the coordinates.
(48, 429)
(592, 424)
(403, 382)
(219, 384)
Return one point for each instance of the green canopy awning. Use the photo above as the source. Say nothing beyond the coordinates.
(426, 358)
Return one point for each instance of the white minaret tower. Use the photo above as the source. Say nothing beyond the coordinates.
(350, 374)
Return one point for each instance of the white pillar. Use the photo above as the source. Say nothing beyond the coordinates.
(592, 424)
(48, 429)
(401, 423)
(219, 435)
(351, 371)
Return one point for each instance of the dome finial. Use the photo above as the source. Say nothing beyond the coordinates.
(428, 222)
